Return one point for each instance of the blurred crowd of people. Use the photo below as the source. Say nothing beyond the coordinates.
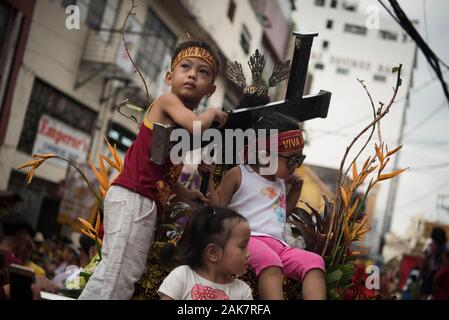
(20, 244)
(431, 281)
(49, 258)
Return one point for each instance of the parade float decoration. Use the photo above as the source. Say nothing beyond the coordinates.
(330, 233)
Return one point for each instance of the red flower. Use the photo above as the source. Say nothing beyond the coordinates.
(359, 289)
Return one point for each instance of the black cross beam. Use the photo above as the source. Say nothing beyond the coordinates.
(295, 105)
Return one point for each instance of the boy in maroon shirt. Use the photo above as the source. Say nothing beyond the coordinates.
(138, 196)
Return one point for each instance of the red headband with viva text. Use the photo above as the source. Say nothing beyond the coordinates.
(289, 141)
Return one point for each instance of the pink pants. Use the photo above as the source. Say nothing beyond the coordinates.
(267, 252)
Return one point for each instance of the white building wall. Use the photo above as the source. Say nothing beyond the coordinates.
(350, 109)
(212, 16)
(52, 54)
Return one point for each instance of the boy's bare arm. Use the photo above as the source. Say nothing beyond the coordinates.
(191, 197)
(171, 105)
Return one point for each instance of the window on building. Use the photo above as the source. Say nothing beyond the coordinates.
(67, 3)
(245, 39)
(40, 200)
(325, 44)
(319, 66)
(319, 3)
(380, 78)
(95, 13)
(231, 10)
(154, 47)
(329, 24)
(333, 3)
(349, 5)
(404, 37)
(388, 35)
(47, 100)
(120, 136)
(342, 71)
(5, 12)
(11, 20)
(352, 28)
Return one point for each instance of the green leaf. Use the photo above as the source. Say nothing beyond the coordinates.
(395, 69)
(333, 294)
(85, 275)
(334, 276)
(348, 272)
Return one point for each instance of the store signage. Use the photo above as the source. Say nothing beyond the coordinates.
(56, 137)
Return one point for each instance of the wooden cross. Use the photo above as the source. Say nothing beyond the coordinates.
(295, 105)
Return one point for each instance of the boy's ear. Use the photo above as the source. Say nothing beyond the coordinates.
(212, 252)
(211, 90)
(168, 78)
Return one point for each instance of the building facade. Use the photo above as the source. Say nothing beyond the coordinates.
(65, 80)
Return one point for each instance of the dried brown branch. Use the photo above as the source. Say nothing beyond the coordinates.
(379, 135)
(129, 55)
(339, 179)
(372, 131)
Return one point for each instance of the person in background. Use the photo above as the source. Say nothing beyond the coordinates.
(70, 257)
(433, 258)
(411, 290)
(87, 250)
(16, 246)
(3, 277)
(441, 284)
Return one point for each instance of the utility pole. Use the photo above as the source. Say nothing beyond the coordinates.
(392, 191)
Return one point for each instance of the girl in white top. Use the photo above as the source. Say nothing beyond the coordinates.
(212, 246)
(263, 201)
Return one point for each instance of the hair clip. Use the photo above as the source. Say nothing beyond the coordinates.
(211, 210)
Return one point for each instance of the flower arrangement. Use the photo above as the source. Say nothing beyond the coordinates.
(330, 233)
(78, 277)
(343, 222)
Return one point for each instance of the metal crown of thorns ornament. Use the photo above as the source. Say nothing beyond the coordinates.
(294, 105)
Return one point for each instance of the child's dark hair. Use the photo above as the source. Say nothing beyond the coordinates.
(202, 44)
(275, 120)
(205, 225)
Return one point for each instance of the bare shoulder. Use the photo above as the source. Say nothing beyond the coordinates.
(158, 112)
(235, 171)
(234, 177)
(168, 98)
